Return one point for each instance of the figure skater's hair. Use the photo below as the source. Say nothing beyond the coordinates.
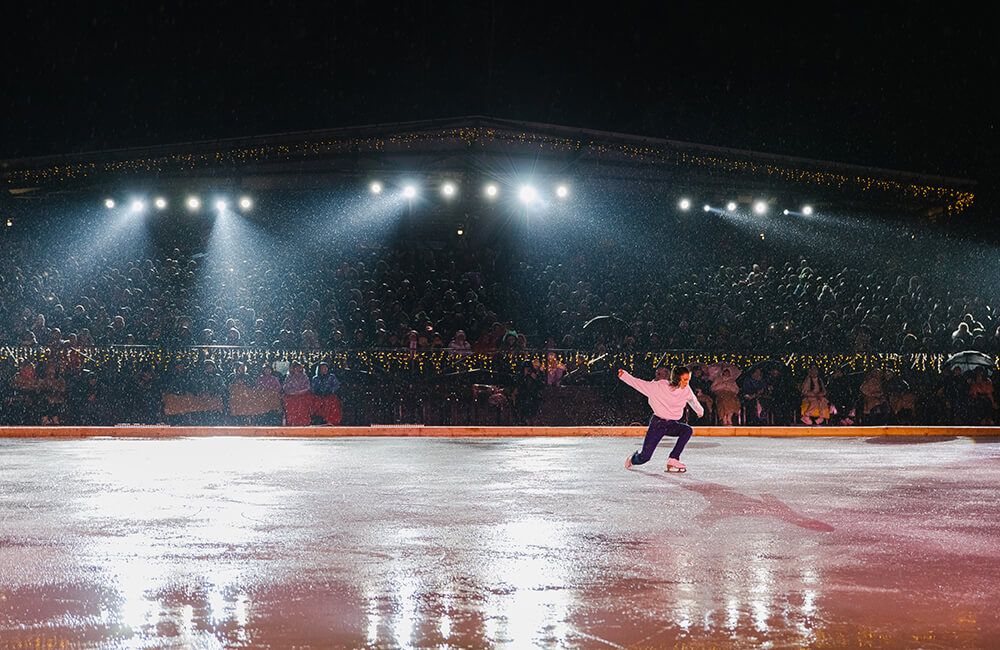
(675, 374)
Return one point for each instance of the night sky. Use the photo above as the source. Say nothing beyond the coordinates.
(888, 86)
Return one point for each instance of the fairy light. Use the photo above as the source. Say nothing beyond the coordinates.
(954, 200)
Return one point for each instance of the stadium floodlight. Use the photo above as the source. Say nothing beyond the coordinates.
(706, 207)
(492, 191)
(448, 190)
(760, 207)
(193, 203)
(562, 191)
(807, 210)
(160, 203)
(410, 192)
(245, 203)
(731, 206)
(138, 205)
(460, 232)
(10, 223)
(685, 204)
(784, 212)
(375, 187)
(527, 194)
(109, 204)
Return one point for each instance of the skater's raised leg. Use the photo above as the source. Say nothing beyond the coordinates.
(657, 429)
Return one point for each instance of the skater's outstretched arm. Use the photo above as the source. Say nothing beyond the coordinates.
(638, 384)
(693, 402)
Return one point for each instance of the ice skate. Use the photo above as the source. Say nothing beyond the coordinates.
(674, 465)
(628, 462)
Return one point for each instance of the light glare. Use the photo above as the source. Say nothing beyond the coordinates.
(684, 204)
(562, 191)
(410, 192)
(807, 210)
(109, 203)
(160, 202)
(246, 203)
(448, 189)
(731, 206)
(528, 194)
(375, 187)
(193, 203)
(491, 190)
(760, 207)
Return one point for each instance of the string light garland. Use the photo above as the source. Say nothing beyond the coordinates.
(432, 363)
(954, 200)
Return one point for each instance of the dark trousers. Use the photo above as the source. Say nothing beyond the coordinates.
(658, 427)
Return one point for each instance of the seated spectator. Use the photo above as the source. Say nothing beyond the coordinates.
(754, 392)
(555, 370)
(459, 344)
(25, 401)
(983, 402)
(726, 392)
(89, 399)
(324, 386)
(268, 388)
(842, 400)
(52, 387)
(815, 406)
(701, 387)
(902, 400)
(528, 393)
(876, 403)
(297, 390)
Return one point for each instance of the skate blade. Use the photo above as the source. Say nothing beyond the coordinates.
(676, 470)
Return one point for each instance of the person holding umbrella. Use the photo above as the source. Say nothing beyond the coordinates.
(667, 399)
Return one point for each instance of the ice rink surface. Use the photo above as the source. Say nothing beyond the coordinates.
(550, 542)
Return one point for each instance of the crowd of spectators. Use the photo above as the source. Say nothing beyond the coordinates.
(698, 291)
(428, 299)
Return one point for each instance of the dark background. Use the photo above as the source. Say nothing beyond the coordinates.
(905, 86)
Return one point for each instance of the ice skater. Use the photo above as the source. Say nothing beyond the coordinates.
(667, 399)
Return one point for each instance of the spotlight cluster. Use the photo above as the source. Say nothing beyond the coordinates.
(759, 207)
(192, 202)
(449, 190)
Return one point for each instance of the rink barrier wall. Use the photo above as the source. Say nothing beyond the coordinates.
(417, 431)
